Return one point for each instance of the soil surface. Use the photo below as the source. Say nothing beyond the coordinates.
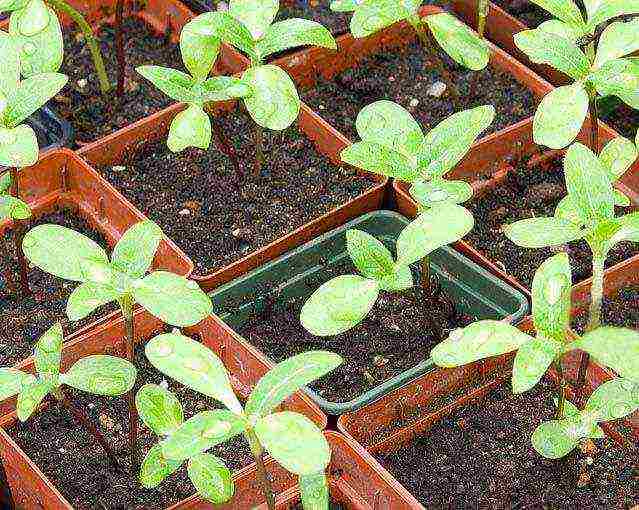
(621, 309)
(406, 78)
(81, 102)
(316, 10)
(530, 14)
(397, 334)
(481, 457)
(25, 319)
(80, 469)
(525, 194)
(218, 218)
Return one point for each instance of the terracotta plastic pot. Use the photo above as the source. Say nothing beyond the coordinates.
(117, 147)
(32, 489)
(485, 167)
(475, 291)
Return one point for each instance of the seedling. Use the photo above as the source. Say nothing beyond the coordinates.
(18, 142)
(70, 255)
(100, 375)
(601, 70)
(293, 440)
(617, 348)
(273, 102)
(343, 302)
(455, 38)
(588, 213)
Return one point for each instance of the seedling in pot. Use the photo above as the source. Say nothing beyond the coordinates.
(618, 348)
(602, 70)
(273, 101)
(18, 142)
(98, 374)
(456, 39)
(588, 213)
(294, 441)
(72, 256)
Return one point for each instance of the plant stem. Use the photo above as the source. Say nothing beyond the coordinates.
(482, 16)
(225, 146)
(594, 122)
(425, 276)
(119, 47)
(6, 498)
(561, 398)
(259, 150)
(94, 48)
(126, 305)
(18, 235)
(258, 453)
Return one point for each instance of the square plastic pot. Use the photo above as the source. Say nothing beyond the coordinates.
(471, 287)
(52, 131)
(32, 490)
(115, 148)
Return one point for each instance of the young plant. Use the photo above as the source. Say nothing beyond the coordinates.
(343, 302)
(98, 374)
(455, 38)
(18, 142)
(615, 347)
(273, 101)
(293, 440)
(70, 255)
(588, 213)
(601, 70)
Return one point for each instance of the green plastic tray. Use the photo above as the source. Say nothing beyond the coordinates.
(474, 289)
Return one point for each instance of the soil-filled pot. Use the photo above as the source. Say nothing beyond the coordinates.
(69, 466)
(460, 438)
(512, 181)
(61, 188)
(390, 346)
(51, 130)
(228, 224)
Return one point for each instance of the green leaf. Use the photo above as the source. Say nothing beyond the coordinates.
(388, 124)
(371, 17)
(617, 40)
(433, 229)
(212, 479)
(448, 142)
(286, 378)
(462, 44)
(567, 210)
(344, 5)
(551, 298)
(532, 362)
(339, 305)
(172, 298)
(369, 255)
(155, 468)
(542, 232)
(618, 78)
(11, 207)
(588, 184)
(175, 84)
(601, 11)
(199, 50)
(292, 33)
(274, 103)
(101, 375)
(31, 396)
(621, 200)
(87, 297)
(560, 116)
(106, 275)
(617, 157)
(12, 381)
(614, 399)
(627, 229)
(439, 191)
(194, 365)
(562, 29)
(545, 48)
(400, 279)
(190, 128)
(565, 10)
(5, 182)
(61, 251)
(314, 491)
(223, 88)
(10, 76)
(295, 442)
(617, 348)
(33, 18)
(135, 251)
(201, 432)
(256, 15)
(159, 409)
(379, 159)
(18, 148)
(30, 95)
(480, 340)
(554, 439)
(571, 411)
(48, 351)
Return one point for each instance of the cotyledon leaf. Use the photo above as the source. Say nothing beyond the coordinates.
(380, 159)
(551, 291)
(292, 33)
(18, 148)
(554, 439)
(256, 15)
(134, 252)
(88, 296)
(48, 351)
(30, 397)
(560, 116)
(189, 128)
(212, 479)
(532, 362)
(617, 157)
(614, 399)
(616, 348)
(565, 10)
(542, 232)
(12, 381)
(369, 255)
(159, 409)
(155, 468)
(101, 375)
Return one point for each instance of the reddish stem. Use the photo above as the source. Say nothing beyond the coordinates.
(119, 47)
(18, 235)
(127, 311)
(225, 146)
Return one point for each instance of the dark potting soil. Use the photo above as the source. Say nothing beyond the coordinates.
(621, 309)
(79, 468)
(81, 103)
(405, 78)
(216, 218)
(524, 194)
(316, 10)
(481, 457)
(623, 119)
(397, 334)
(25, 319)
(528, 13)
